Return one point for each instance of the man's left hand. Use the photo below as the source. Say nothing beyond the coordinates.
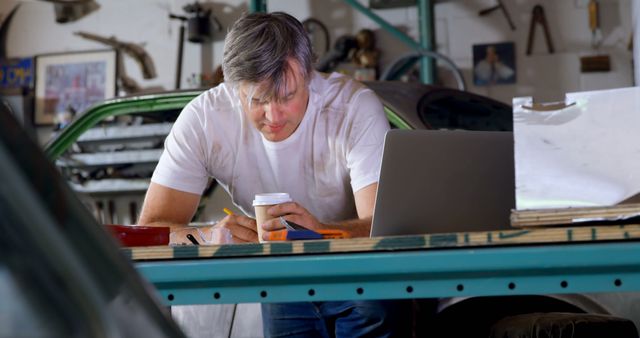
(292, 212)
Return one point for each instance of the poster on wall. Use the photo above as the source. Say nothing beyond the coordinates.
(72, 82)
(16, 74)
(494, 64)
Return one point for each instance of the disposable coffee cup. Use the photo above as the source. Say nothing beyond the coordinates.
(262, 202)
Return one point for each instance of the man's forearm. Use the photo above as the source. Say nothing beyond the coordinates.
(173, 226)
(355, 227)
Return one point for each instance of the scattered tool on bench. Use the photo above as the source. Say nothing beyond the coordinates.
(298, 232)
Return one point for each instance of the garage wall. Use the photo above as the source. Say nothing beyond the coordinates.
(34, 31)
(458, 27)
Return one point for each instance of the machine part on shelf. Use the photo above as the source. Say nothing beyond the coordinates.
(367, 55)
(538, 17)
(342, 49)
(199, 30)
(70, 11)
(134, 50)
(392, 71)
(4, 32)
(317, 31)
(500, 6)
(199, 24)
(137, 52)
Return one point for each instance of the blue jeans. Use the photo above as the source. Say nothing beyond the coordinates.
(387, 318)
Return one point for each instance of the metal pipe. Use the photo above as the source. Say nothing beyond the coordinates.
(180, 48)
(403, 60)
(384, 24)
(635, 21)
(425, 21)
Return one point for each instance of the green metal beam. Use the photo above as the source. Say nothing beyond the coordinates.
(425, 22)
(384, 24)
(517, 270)
(258, 6)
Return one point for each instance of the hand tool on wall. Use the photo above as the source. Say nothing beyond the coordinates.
(500, 6)
(200, 22)
(135, 51)
(595, 63)
(4, 31)
(538, 17)
(594, 23)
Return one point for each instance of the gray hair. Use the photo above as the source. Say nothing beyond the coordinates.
(258, 47)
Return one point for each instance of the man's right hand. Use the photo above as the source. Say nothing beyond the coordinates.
(243, 229)
(164, 206)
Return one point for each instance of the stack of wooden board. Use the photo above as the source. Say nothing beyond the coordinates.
(618, 214)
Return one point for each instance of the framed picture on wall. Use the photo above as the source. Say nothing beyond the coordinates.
(69, 83)
(494, 64)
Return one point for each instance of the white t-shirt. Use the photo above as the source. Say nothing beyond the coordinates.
(336, 149)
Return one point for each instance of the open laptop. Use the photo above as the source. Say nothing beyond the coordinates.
(435, 181)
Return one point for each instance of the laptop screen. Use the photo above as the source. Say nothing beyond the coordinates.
(439, 181)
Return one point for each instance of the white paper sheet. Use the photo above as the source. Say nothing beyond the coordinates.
(587, 154)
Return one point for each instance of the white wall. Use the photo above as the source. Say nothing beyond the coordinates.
(544, 76)
(34, 30)
(458, 27)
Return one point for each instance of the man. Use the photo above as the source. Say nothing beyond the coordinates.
(276, 125)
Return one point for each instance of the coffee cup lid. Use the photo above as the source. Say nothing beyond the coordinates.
(271, 198)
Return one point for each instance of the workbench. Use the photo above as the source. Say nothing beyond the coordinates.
(515, 262)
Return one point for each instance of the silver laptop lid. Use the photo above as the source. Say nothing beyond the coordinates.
(435, 181)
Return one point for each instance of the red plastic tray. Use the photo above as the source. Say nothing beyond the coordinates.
(133, 235)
